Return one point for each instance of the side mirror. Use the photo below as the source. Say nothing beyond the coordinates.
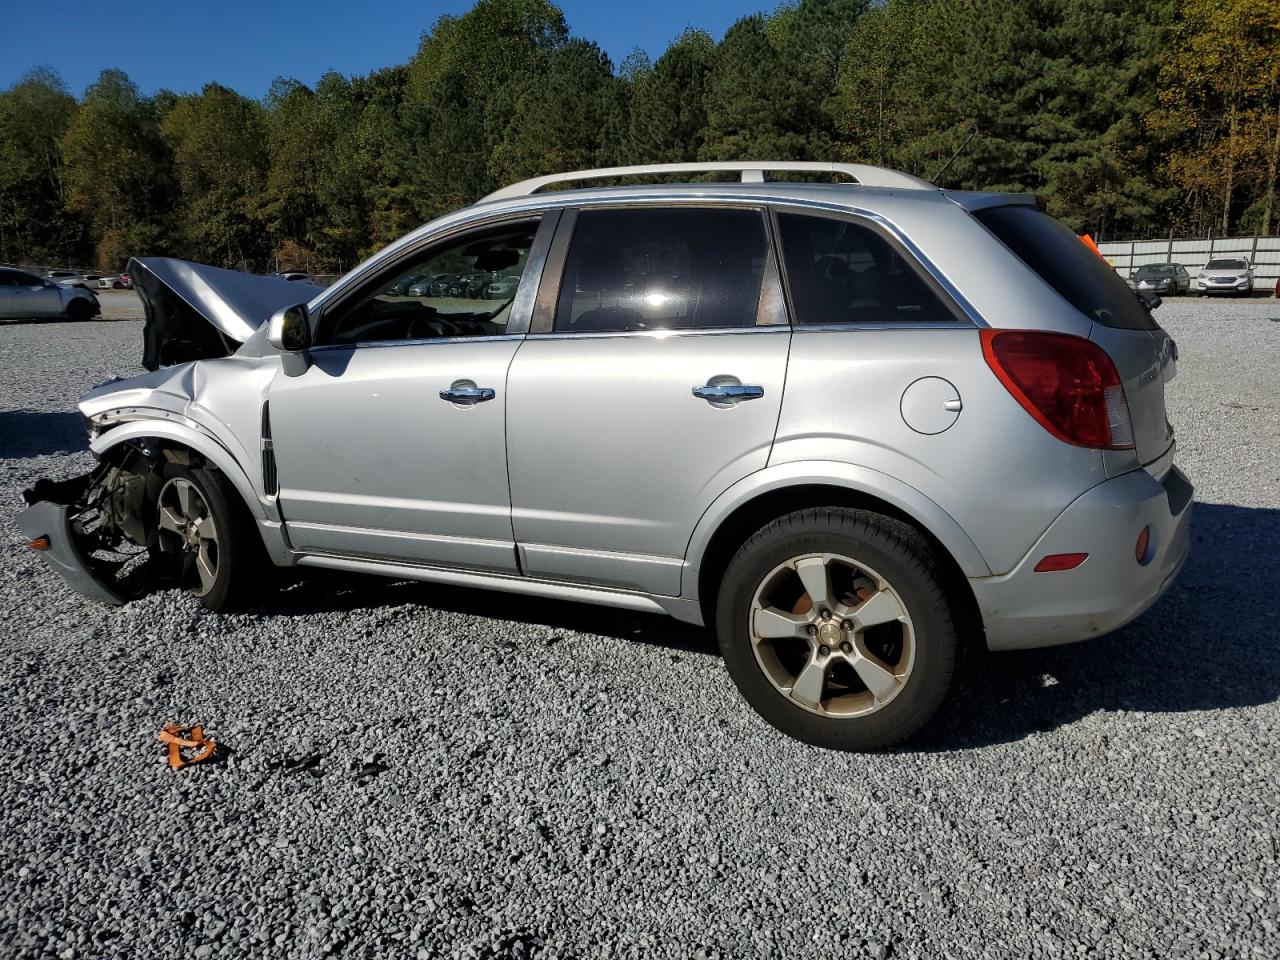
(289, 330)
(1150, 298)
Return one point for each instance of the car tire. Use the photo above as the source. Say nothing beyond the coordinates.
(79, 311)
(220, 564)
(875, 557)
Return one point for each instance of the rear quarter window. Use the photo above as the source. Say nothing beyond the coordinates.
(1079, 275)
(841, 272)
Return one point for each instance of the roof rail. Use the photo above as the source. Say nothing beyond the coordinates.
(752, 171)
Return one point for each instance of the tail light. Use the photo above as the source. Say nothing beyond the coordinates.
(1068, 384)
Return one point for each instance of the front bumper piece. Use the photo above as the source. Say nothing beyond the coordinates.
(48, 517)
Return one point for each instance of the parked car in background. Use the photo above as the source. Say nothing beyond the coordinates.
(441, 285)
(502, 288)
(70, 278)
(1166, 279)
(1225, 275)
(118, 282)
(469, 285)
(24, 296)
(789, 411)
(422, 286)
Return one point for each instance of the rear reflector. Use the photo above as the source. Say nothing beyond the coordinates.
(39, 543)
(1061, 561)
(1068, 384)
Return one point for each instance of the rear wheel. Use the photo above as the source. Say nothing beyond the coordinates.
(205, 541)
(834, 625)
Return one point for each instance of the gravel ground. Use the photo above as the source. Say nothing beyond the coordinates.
(566, 781)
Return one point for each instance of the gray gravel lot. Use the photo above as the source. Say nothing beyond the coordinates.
(567, 781)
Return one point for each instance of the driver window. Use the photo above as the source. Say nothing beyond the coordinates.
(462, 288)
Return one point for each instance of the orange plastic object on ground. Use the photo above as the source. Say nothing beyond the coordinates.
(180, 738)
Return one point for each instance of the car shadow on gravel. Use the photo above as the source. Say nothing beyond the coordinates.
(32, 433)
(1209, 644)
(317, 591)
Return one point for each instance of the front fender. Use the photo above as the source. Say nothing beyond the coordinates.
(851, 477)
(203, 444)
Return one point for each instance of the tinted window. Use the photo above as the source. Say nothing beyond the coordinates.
(844, 272)
(1157, 270)
(647, 269)
(1083, 278)
(16, 278)
(462, 288)
(1226, 265)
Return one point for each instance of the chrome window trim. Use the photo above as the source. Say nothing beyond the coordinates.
(661, 334)
(887, 325)
(419, 342)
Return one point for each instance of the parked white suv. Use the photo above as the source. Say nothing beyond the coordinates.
(1225, 275)
(850, 427)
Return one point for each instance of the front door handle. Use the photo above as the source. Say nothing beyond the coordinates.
(466, 391)
(728, 392)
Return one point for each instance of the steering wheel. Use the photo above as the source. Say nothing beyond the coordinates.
(438, 326)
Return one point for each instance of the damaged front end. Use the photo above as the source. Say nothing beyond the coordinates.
(94, 529)
(204, 392)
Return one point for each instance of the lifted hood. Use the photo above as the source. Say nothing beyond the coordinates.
(196, 312)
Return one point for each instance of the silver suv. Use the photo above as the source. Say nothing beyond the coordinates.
(852, 428)
(1225, 275)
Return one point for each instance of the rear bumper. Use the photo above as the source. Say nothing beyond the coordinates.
(1024, 608)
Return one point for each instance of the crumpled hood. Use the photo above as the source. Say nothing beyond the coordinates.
(196, 312)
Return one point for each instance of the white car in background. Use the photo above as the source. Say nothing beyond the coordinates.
(1225, 275)
(25, 296)
(68, 278)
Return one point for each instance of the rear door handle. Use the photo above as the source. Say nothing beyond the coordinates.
(466, 391)
(728, 392)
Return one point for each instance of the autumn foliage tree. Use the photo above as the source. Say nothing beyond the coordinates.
(1132, 117)
(1220, 109)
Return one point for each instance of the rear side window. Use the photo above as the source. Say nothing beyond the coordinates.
(662, 269)
(1083, 278)
(840, 271)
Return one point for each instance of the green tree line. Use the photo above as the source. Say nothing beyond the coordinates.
(1131, 117)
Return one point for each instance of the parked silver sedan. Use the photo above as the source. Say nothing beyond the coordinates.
(23, 295)
(852, 428)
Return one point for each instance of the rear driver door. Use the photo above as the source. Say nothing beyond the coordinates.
(650, 382)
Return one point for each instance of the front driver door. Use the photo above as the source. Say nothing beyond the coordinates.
(392, 445)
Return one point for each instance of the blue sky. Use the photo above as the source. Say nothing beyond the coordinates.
(184, 45)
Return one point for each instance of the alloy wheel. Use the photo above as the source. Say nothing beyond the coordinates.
(188, 532)
(832, 635)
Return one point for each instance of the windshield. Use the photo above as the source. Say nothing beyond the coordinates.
(1155, 270)
(1078, 274)
(1226, 265)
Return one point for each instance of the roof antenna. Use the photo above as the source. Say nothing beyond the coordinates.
(972, 133)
